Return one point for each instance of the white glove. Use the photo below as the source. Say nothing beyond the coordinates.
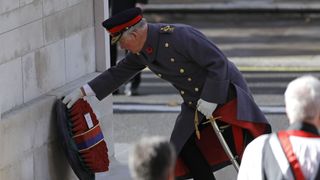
(71, 98)
(206, 108)
(140, 5)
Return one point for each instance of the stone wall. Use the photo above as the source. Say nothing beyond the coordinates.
(44, 45)
(47, 48)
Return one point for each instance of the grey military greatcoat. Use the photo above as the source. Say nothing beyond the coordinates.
(184, 57)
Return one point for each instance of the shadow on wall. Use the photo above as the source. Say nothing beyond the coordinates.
(58, 166)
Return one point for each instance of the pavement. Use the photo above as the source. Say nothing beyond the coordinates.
(270, 50)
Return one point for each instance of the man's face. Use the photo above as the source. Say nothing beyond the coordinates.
(130, 42)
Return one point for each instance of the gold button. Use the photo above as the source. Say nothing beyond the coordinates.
(182, 92)
(196, 89)
(189, 79)
(190, 103)
(172, 59)
(166, 45)
(181, 70)
(160, 75)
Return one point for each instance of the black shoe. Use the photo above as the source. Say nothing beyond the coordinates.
(131, 92)
(116, 92)
(134, 92)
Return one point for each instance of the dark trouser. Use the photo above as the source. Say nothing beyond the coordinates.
(136, 81)
(113, 54)
(194, 160)
(113, 58)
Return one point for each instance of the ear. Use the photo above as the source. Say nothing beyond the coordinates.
(317, 121)
(134, 34)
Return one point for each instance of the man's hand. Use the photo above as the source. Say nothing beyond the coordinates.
(206, 108)
(71, 98)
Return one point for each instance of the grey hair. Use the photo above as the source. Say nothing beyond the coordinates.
(302, 99)
(152, 158)
(135, 27)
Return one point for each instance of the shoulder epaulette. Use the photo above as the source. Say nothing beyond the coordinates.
(167, 29)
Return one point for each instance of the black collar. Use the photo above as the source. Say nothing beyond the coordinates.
(304, 127)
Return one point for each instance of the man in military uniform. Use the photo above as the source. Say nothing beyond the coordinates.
(117, 6)
(207, 81)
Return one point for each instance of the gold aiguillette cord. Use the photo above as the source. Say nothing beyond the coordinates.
(196, 123)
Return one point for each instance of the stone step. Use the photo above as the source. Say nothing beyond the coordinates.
(233, 7)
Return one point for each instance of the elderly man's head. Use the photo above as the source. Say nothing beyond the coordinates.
(134, 38)
(129, 28)
(153, 158)
(302, 99)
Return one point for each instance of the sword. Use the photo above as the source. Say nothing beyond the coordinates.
(224, 143)
(218, 132)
